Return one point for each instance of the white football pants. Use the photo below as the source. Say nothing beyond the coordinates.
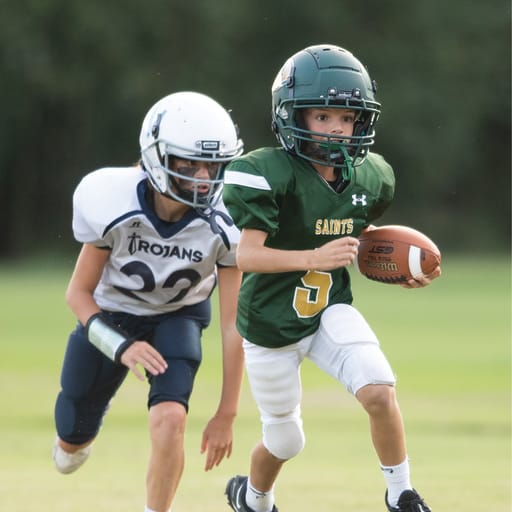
(344, 346)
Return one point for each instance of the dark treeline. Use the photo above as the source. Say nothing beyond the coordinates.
(78, 77)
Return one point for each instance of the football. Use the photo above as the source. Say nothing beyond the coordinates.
(395, 254)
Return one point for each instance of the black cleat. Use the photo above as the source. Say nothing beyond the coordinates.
(235, 492)
(409, 501)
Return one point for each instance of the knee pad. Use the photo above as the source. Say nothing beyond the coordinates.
(284, 439)
(77, 423)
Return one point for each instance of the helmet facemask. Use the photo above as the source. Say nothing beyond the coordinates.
(171, 178)
(334, 150)
(187, 187)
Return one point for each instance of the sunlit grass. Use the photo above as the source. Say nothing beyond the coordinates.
(449, 345)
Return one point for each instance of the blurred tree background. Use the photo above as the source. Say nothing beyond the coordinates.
(78, 77)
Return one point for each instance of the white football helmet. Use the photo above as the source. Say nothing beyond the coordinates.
(188, 126)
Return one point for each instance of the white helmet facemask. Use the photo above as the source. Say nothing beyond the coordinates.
(192, 127)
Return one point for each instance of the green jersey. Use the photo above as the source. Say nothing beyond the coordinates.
(273, 191)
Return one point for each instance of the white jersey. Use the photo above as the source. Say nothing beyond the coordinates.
(154, 266)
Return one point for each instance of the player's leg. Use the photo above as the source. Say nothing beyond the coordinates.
(178, 339)
(167, 422)
(388, 437)
(352, 355)
(274, 379)
(386, 426)
(346, 348)
(89, 380)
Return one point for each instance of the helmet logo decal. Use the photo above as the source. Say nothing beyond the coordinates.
(285, 76)
(155, 129)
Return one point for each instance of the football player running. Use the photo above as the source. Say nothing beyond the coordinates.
(300, 209)
(156, 239)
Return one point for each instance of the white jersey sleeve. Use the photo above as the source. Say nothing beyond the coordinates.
(101, 197)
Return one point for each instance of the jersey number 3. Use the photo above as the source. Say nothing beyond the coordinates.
(309, 300)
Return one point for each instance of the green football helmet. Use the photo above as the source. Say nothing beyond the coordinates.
(325, 76)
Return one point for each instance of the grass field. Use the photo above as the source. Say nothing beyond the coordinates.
(449, 345)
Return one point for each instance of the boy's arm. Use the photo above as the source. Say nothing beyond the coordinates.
(217, 438)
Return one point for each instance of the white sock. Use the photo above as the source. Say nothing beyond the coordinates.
(259, 501)
(397, 479)
(147, 509)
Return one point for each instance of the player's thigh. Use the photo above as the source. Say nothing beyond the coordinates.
(346, 347)
(274, 377)
(89, 380)
(178, 339)
(87, 374)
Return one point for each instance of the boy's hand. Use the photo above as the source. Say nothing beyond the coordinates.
(141, 352)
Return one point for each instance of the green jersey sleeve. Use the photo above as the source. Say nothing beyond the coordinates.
(254, 186)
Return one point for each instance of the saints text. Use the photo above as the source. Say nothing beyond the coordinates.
(334, 226)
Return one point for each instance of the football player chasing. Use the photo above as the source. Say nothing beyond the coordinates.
(156, 239)
(301, 209)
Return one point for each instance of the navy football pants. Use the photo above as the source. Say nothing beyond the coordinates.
(89, 379)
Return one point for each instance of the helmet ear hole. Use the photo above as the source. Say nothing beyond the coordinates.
(299, 119)
(364, 122)
(151, 158)
(159, 180)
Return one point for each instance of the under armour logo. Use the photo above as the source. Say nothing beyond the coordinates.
(359, 200)
(135, 224)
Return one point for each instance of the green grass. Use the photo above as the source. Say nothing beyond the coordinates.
(449, 346)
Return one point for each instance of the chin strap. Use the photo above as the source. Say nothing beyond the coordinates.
(348, 169)
(332, 152)
(210, 215)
